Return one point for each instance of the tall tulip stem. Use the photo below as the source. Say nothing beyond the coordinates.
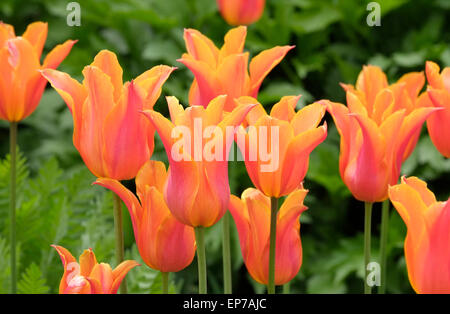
(165, 282)
(201, 259)
(287, 288)
(272, 247)
(367, 234)
(226, 254)
(383, 244)
(118, 229)
(12, 202)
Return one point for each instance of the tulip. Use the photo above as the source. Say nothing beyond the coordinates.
(252, 214)
(439, 93)
(197, 190)
(165, 244)
(21, 85)
(108, 127)
(224, 71)
(377, 130)
(197, 173)
(287, 137)
(21, 88)
(241, 12)
(88, 276)
(427, 249)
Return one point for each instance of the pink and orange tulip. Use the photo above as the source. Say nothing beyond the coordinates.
(197, 191)
(225, 71)
(427, 249)
(110, 133)
(439, 93)
(21, 85)
(88, 276)
(251, 214)
(165, 244)
(379, 129)
(288, 136)
(241, 12)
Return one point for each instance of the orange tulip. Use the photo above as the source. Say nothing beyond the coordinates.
(197, 191)
(439, 93)
(164, 243)
(427, 248)
(88, 276)
(21, 85)
(251, 214)
(241, 12)
(379, 129)
(224, 71)
(113, 138)
(276, 147)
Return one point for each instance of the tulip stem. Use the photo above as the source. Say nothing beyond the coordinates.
(272, 247)
(12, 202)
(227, 285)
(287, 288)
(165, 282)
(367, 234)
(201, 259)
(383, 244)
(118, 228)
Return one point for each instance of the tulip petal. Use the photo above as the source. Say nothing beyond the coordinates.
(308, 117)
(87, 262)
(107, 61)
(153, 173)
(263, 63)
(414, 83)
(120, 272)
(201, 47)
(70, 265)
(285, 108)
(205, 77)
(36, 34)
(103, 273)
(438, 126)
(152, 81)
(433, 77)
(296, 159)
(233, 42)
(58, 54)
(370, 81)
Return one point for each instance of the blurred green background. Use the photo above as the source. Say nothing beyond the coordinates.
(58, 205)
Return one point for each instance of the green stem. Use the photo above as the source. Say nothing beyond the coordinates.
(287, 288)
(227, 285)
(272, 247)
(12, 202)
(367, 233)
(383, 244)
(118, 229)
(165, 282)
(201, 259)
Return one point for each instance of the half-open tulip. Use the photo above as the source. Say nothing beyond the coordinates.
(197, 142)
(165, 244)
(251, 214)
(21, 85)
(439, 93)
(225, 71)
(241, 12)
(427, 248)
(379, 128)
(113, 138)
(88, 276)
(276, 147)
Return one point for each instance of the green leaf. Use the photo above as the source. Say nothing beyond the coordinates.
(32, 281)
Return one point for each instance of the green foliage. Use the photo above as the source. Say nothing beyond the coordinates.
(32, 281)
